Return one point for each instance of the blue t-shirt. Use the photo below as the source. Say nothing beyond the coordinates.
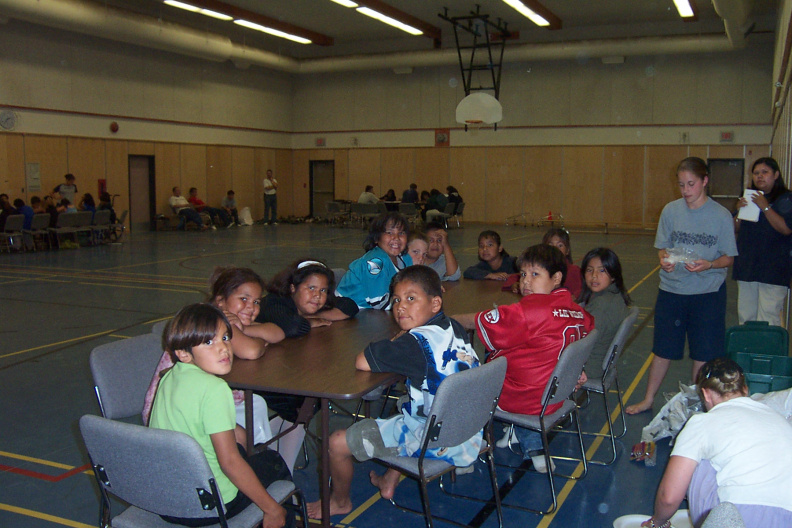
(368, 280)
(708, 231)
(764, 252)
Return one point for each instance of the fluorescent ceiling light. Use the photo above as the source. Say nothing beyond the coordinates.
(528, 13)
(270, 31)
(388, 20)
(345, 3)
(684, 8)
(194, 9)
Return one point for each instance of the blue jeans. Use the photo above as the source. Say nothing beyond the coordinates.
(530, 441)
(270, 207)
(191, 215)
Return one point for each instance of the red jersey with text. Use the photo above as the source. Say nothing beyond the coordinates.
(531, 335)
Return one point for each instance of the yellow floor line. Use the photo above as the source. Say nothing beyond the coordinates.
(366, 505)
(41, 461)
(119, 336)
(114, 285)
(44, 516)
(89, 336)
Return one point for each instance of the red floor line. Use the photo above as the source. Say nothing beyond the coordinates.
(44, 476)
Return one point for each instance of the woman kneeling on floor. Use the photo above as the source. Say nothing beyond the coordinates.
(739, 451)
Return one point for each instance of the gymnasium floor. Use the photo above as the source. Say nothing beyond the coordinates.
(58, 305)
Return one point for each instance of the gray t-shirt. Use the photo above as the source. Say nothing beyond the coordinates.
(708, 231)
(440, 267)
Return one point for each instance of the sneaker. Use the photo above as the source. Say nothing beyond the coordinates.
(508, 437)
(232, 224)
(214, 228)
(540, 465)
(274, 223)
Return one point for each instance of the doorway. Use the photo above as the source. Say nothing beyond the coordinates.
(322, 176)
(142, 194)
(726, 180)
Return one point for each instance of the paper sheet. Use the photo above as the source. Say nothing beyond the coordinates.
(749, 213)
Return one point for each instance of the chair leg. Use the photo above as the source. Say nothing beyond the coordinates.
(621, 407)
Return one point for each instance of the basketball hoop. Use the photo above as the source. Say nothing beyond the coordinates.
(474, 125)
(478, 109)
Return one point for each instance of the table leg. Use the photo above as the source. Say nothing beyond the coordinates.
(249, 421)
(324, 471)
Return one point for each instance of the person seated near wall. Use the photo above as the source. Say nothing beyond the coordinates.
(184, 210)
(230, 207)
(105, 202)
(6, 210)
(434, 206)
(21, 208)
(218, 216)
(87, 203)
(411, 194)
(51, 209)
(368, 196)
(38, 205)
(66, 206)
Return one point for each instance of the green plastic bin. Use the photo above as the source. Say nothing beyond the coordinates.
(757, 337)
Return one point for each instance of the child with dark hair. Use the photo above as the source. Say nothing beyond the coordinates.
(429, 348)
(192, 399)
(559, 237)
(494, 262)
(302, 297)
(25, 210)
(368, 280)
(606, 299)
(532, 334)
(106, 203)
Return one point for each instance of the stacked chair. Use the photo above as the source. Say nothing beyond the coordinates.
(762, 350)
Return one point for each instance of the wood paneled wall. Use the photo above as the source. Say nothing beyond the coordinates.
(589, 185)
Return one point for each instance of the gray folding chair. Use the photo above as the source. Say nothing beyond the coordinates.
(335, 213)
(460, 208)
(100, 230)
(600, 383)
(450, 424)
(122, 372)
(161, 472)
(66, 225)
(559, 388)
(159, 327)
(38, 228)
(447, 213)
(13, 229)
(82, 224)
(365, 213)
(409, 211)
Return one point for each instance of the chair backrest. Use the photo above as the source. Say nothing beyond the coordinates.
(381, 208)
(408, 209)
(14, 223)
(338, 273)
(66, 220)
(724, 515)
(567, 371)
(364, 209)
(617, 346)
(460, 208)
(464, 403)
(333, 207)
(159, 327)
(83, 218)
(122, 372)
(123, 216)
(102, 217)
(163, 472)
(450, 208)
(40, 221)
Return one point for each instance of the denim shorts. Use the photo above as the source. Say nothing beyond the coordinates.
(700, 318)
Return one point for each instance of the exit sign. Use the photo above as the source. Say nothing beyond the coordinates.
(727, 137)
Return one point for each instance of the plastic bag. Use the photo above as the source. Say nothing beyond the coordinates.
(779, 401)
(672, 417)
(683, 255)
(245, 217)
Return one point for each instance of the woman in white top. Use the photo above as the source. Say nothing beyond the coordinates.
(739, 451)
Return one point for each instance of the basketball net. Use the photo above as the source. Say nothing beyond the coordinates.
(474, 125)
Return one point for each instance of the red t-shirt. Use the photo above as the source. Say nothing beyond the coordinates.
(199, 204)
(531, 334)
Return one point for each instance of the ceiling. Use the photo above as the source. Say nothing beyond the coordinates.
(356, 34)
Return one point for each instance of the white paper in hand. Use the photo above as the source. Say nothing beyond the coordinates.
(749, 213)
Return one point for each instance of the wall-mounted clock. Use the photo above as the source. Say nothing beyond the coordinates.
(8, 120)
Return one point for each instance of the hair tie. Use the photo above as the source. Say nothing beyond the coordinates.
(305, 263)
